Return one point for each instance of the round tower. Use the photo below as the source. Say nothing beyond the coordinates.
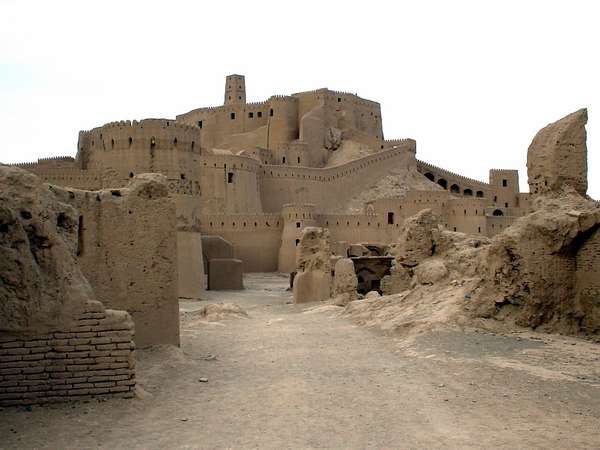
(295, 218)
(235, 89)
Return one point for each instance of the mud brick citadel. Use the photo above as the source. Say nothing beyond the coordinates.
(256, 174)
(98, 249)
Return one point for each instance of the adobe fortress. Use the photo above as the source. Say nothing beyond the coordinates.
(256, 174)
(105, 254)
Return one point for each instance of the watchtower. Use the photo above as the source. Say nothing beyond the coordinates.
(235, 89)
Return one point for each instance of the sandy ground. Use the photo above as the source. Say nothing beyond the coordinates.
(284, 377)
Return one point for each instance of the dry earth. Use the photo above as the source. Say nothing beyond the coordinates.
(290, 376)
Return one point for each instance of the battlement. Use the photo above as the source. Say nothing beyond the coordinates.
(344, 95)
(282, 98)
(406, 142)
(23, 165)
(329, 173)
(57, 161)
(54, 159)
(291, 211)
(233, 162)
(148, 123)
(210, 223)
(424, 167)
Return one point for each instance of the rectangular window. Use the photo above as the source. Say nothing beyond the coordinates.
(271, 112)
(390, 216)
(199, 124)
(250, 115)
(504, 183)
(232, 115)
(230, 177)
(259, 114)
(297, 224)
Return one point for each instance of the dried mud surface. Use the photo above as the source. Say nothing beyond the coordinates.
(304, 376)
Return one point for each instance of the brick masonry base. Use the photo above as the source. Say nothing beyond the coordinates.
(94, 358)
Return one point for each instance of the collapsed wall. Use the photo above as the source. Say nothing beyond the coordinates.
(542, 269)
(535, 266)
(57, 342)
(542, 272)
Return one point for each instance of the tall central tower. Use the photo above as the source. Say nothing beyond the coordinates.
(235, 89)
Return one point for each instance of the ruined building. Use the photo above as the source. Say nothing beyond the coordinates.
(256, 174)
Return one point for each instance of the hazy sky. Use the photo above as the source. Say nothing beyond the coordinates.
(472, 82)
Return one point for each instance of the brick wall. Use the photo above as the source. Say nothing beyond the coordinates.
(95, 357)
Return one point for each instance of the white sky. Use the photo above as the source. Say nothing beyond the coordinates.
(471, 81)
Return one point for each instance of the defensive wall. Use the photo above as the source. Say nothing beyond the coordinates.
(448, 179)
(150, 145)
(256, 238)
(299, 185)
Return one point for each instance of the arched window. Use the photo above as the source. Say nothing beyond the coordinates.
(455, 189)
(443, 183)
(498, 212)
(429, 176)
(468, 192)
(479, 194)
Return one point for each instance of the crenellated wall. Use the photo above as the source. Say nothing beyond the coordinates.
(230, 184)
(256, 238)
(150, 145)
(297, 185)
(448, 179)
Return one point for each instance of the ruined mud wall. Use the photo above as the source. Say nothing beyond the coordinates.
(93, 357)
(557, 156)
(541, 270)
(127, 248)
(587, 282)
(57, 342)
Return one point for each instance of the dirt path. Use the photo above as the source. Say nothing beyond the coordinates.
(284, 378)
